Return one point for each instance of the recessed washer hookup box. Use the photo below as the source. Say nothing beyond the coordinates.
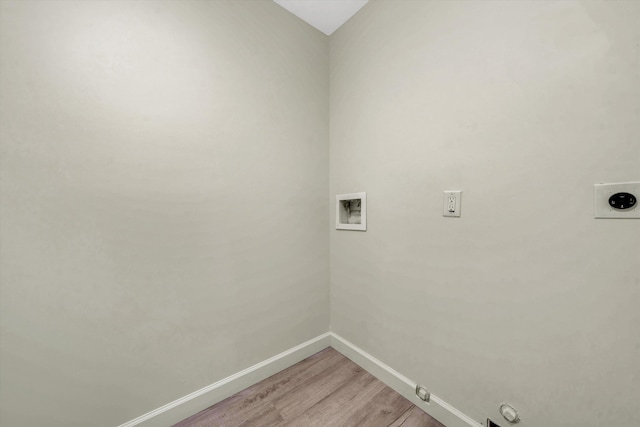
(351, 211)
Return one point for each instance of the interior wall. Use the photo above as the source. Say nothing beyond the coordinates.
(522, 105)
(164, 178)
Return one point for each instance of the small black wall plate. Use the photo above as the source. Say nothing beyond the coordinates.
(491, 423)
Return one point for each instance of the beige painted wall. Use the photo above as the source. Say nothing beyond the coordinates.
(164, 178)
(164, 174)
(523, 105)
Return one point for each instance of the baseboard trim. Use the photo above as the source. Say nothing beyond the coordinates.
(195, 402)
(437, 408)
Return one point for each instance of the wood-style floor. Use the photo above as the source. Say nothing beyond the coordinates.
(326, 389)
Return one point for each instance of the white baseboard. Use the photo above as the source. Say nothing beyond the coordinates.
(195, 402)
(437, 408)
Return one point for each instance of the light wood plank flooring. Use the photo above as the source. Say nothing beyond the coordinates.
(326, 389)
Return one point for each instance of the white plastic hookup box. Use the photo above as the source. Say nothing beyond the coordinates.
(351, 211)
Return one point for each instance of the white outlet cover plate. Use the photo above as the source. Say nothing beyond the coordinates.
(445, 208)
(601, 194)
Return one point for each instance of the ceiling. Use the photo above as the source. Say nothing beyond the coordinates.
(326, 15)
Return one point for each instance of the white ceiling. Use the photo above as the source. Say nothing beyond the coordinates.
(326, 15)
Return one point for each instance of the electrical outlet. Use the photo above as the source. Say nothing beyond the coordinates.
(452, 203)
(617, 200)
(423, 393)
